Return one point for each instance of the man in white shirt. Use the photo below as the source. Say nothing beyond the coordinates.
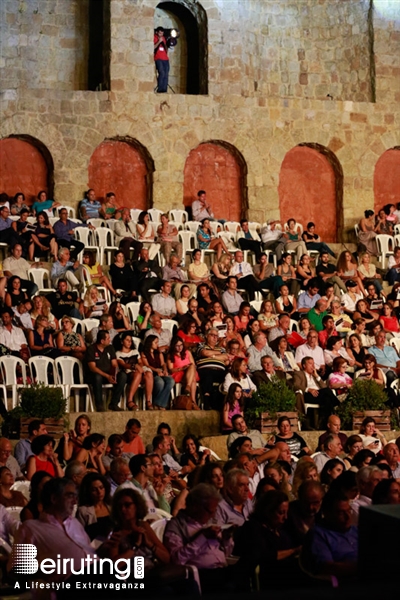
(13, 337)
(18, 266)
(164, 335)
(312, 349)
(367, 479)
(332, 448)
(201, 209)
(273, 239)
(163, 304)
(244, 273)
(310, 389)
(353, 295)
(259, 349)
(231, 299)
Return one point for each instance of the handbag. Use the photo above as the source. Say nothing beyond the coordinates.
(183, 402)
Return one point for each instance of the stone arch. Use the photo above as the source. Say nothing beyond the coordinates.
(220, 169)
(194, 21)
(387, 179)
(26, 166)
(311, 189)
(124, 166)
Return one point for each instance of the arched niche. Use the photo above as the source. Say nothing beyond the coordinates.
(26, 166)
(220, 169)
(387, 179)
(311, 189)
(99, 52)
(124, 166)
(189, 59)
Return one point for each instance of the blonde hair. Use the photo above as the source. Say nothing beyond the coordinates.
(88, 298)
(303, 468)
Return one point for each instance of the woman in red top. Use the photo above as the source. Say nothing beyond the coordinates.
(388, 320)
(182, 369)
(187, 333)
(243, 318)
(44, 457)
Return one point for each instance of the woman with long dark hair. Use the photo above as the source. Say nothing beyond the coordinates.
(94, 510)
(182, 369)
(44, 237)
(233, 405)
(153, 359)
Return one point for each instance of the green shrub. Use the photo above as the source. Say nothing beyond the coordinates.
(272, 397)
(364, 394)
(39, 400)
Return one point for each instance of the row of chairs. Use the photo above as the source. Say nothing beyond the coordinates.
(385, 243)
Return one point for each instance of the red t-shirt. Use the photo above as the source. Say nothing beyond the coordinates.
(161, 52)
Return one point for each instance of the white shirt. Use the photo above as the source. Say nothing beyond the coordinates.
(14, 339)
(316, 353)
(164, 305)
(17, 266)
(349, 303)
(199, 211)
(311, 383)
(242, 268)
(355, 507)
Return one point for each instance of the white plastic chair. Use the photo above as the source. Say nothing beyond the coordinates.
(66, 365)
(155, 215)
(178, 216)
(96, 222)
(396, 239)
(385, 247)
(103, 236)
(15, 512)
(188, 241)
(357, 230)
(232, 226)
(89, 324)
(39, 368)
(298, 226)
(169, 324)
(24, 487)
(38, 276)
(8, 367)
(358, 374)
(133, 311)
(70, 210)
(213, 454)
(84, 235)
(256, 304)
(158, 527)
(397, 229)
(135, 212)
(395, 342)
(192, 226)
(293, 325)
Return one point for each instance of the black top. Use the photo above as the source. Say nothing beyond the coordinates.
(61, 304)
(122, 278)
(101, 358)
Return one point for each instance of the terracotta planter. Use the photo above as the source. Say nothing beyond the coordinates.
(268, 425)
(381, 417)
(55, 427)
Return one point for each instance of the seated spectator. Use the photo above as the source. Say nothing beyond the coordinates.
(148, 274)
(267, 317)
(328, 275)
(187, 332)
(220, 271)
(9, 497)
(285, 303)
(335, 349)
(386, 357)
(23, 449)
(72, 442)
(387, 491)
(101, 367)
(310, 389)
(286, 360)
(257, 350)
(358, 328)
(106, 324)
(244, 274)
(262, 542)
(389, 321)
(194, 537)
(162, 303)
(234, 405)
(119, 473)
(33, 509)
(393, 274)
(316, 314)
(172, 272)
(13, 339)
(141, 469)
(286, 274)
(331, 546)
(216, 314)
(332, 449)
(130, 365)
(248, 241)
(331, 471)
(282, 328)
(313, 350)
(296, 443)
(41, 306)
(125, 236)
(43, 457)
(211, 358)
(235, 507)
(367, 232)
(75, 471)
(383, 225)
(123, 277)
(313, 240)
(91, 454)
(343, 322)
(96, 272)
(15, 295)
(64, 232)
(295, 242)
(143, 318)
(348, 269)
(362, 311)
(372, 438)
(240, 429)
(352, 447)
(234, 350)
(367, 479)
(109, 209)
(164, 335)
(63, 302)
(162, 446)
(23, 232)
(392, 454)
(232, 333)
(367, 272)
(70, 342)
(328, 330)
(115, 445)
(94, 506)
(339, 380)
(43, 236)
(192, 456)
(243, 318)
(89, 207)
(207, 240)
(305, 471)
(152, 358)
(273, 238)
(18, 204)
(198, 271)
(252, 330)
(333, 428)
(267, 373)
(371, 371)
(40, 340)
(167, 237)
(18, 266)
(238, 374)
(308, 300)
(264, 273)
(231, 299)
(65, 269)
(145, 232)
(8, 235)
(304, 512)
(132, 442)
(182, 369)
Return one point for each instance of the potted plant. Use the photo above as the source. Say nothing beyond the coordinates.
(268, 403)
(365, 399)
(38, 401)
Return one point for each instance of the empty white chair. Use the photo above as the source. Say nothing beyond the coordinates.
(396, 239)
(135, 212)
(39, 368)
(155, 214)
(133, 311)
(38, 276)
(8, 367)
(385, 247)
(256, 304)
(169, 324)
(178, 216)
(70, 376)
(97, 222)
(232, 226)
(188, 241)
(192, 226)
(84, 235)
(88, 325)
(103, 237)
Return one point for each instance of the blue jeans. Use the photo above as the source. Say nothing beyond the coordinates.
(161, 390)
(162, 67)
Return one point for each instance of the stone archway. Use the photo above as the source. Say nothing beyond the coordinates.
(26, 166)
(124, 166)
(220, 169)
(311, 189)
(387, 179)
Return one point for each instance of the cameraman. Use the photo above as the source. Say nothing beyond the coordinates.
(161, 60)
